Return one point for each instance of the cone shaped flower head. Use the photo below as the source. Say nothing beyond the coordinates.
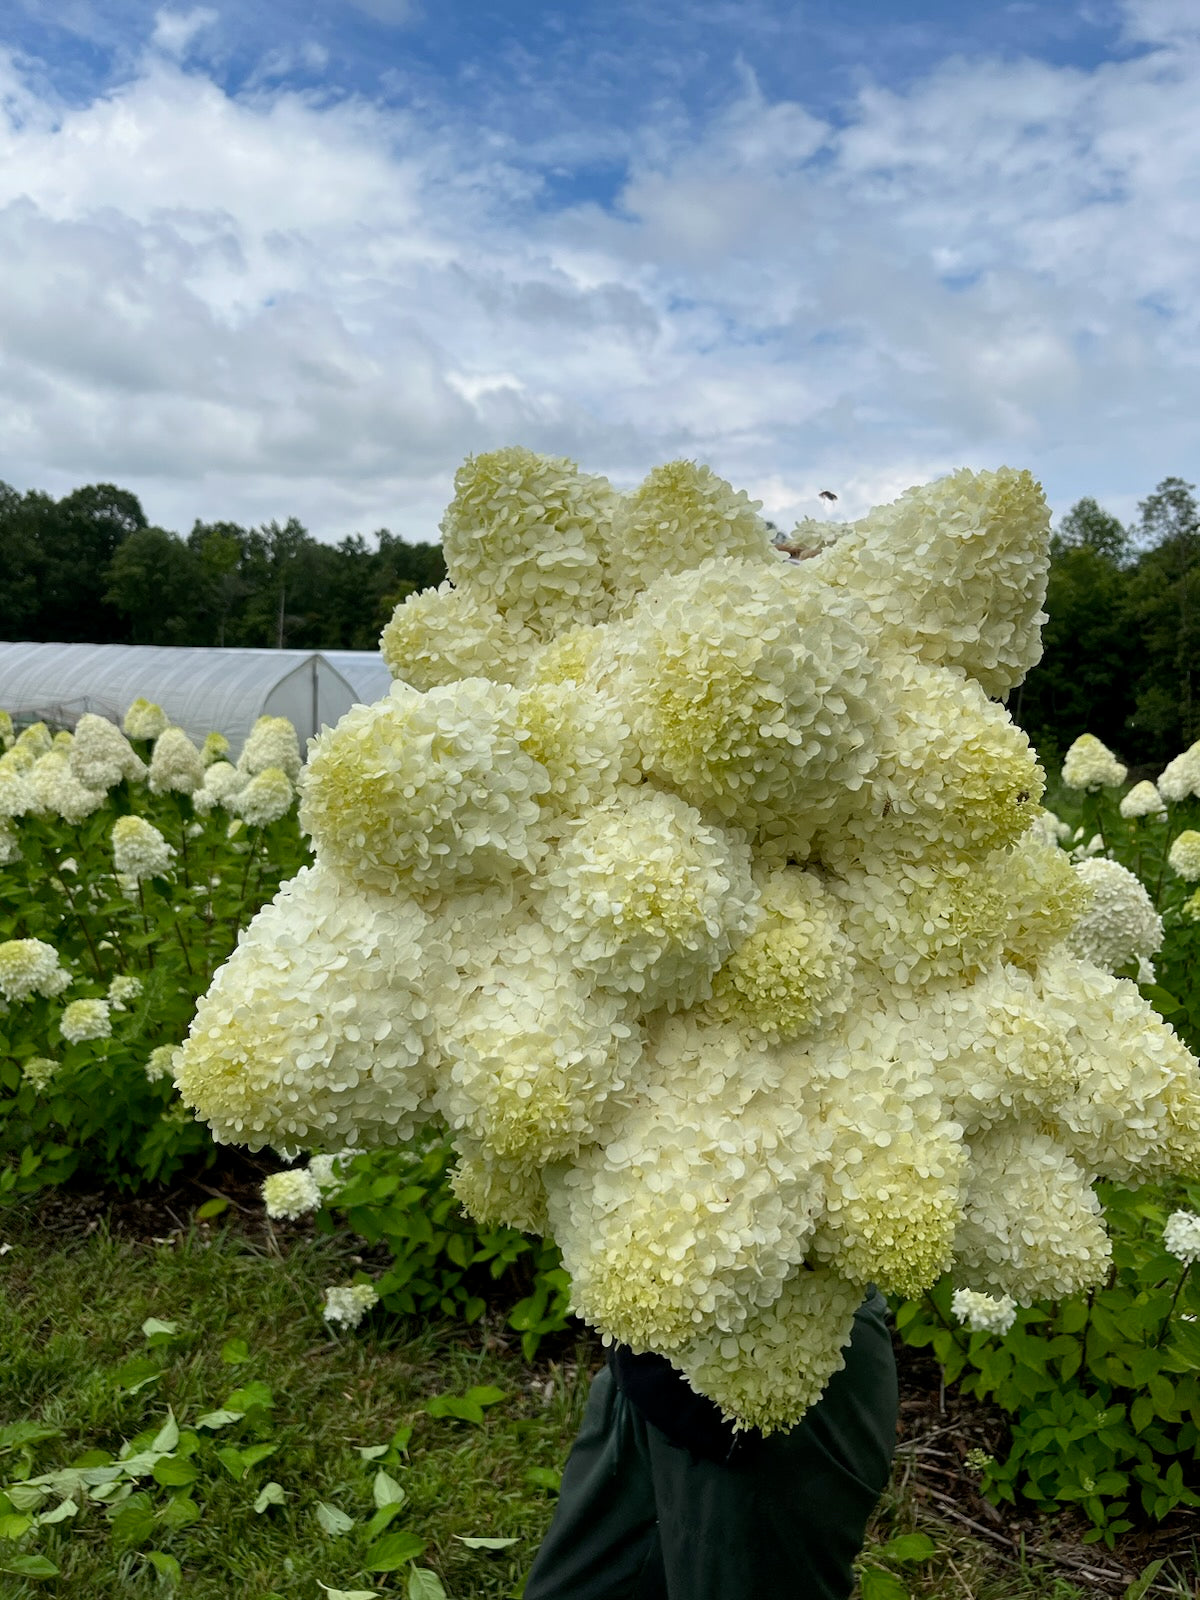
(699, 892)
(1088, 764)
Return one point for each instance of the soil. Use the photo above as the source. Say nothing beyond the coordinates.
(938, 1426)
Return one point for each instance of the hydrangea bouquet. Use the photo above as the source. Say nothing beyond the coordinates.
(698, 890)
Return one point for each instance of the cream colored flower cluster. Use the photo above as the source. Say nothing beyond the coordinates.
(701, 893)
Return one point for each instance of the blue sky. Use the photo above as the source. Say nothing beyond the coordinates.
(301, 257)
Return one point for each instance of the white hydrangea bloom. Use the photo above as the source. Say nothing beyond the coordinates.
(145, 720)
(123, 989)
(55, 791)
(329, 1170)
(15, 796)
(955, 774)
(1184, 855)
(6, 730)
(433, 785)
(1031, 1223)
(34, 741)
(1180, 778)
(784, 1355)
(291, 1194)
(1088, 764)
(222, 782)
(531, 534)
(1181, 1236)
(29, 967)
(700, 1204)
(10, 845)
(102, 756)
(139, 849)
(792, 973)
(765, 711)
(176, 765)
(350, 1304)
(1119, 924)
(679, 515)
(319, 1027)
(215, 748)
(706, 896)
(532, 1053)
(272, 743)
(40, 1071)
(161, 1063)
(1143, 800)
(647, 900)
(437, 636)
(85, 1019)
(267, 797)
(1134, 1113)
(984, 1313)
(955, 570)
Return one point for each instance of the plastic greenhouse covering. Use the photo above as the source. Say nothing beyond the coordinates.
(200, 690)
(364, 670)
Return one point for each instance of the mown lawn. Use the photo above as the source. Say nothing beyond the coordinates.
(243, 1308)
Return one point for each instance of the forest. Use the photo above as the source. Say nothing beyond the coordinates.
(1120, 646)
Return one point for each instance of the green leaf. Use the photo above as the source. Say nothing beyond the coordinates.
(876, 1584)
(19, 1433)
(1162, 1001)
(254, 1453)
(180, 1512)
(219, 1419)
(544, 1478)
(371, 1452)
(14, 1524)
(63, 1510)
(234, 1352)
(167, 1436)
(174, 1474)
(233, 1462)
(907, 1547)
(212, 1208)
(166, 1566)
(386, 1491)
(424, 1585)
(381, 1519)
(132, 1523)
(154, 1325)
(334, 1522)
(136, 1374)
(485, 1544)
(30, 1567)
(271, 1494)
(251, 1395)
(485, 1394)
(392, 1551)
(349, 1594)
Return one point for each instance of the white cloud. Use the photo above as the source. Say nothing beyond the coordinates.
(281, 304)
(175, 31)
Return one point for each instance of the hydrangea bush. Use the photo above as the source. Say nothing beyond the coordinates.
(699, 891)
(125, 877)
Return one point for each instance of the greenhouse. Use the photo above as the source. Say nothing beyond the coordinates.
(364, 670)
(199, 689)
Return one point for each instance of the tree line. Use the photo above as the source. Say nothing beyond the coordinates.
(90, 568)
(1121, 647)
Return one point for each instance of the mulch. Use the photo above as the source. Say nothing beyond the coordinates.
(939, 1426)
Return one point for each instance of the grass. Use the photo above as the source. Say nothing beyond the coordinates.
(71, 1315)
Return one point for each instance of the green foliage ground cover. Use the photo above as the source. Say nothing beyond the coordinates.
(434, 1446)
